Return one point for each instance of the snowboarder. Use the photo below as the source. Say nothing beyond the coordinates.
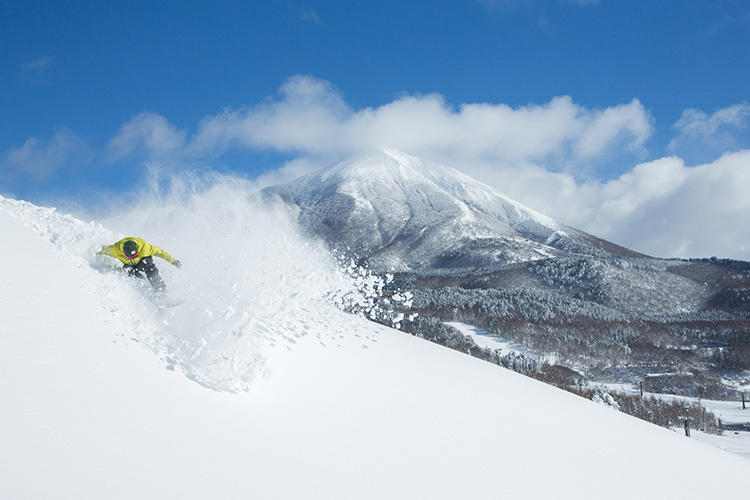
(136, 257)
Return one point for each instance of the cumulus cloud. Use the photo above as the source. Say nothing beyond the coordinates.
(304, 118)
(627, 121)
(690, 211)
(662, 207)
(147, 133)
(309, 116)
(695, 122)
(704, 135)
(40, 159)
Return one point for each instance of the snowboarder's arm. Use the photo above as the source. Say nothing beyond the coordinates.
(162, 254)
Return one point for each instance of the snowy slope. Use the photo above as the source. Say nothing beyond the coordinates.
(467, 253)
(408, 214)
(98, 401)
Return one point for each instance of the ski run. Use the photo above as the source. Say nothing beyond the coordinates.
(259, 386)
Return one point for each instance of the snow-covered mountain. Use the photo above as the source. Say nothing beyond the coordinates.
(470, 254)
(106, 396)
(405, 214)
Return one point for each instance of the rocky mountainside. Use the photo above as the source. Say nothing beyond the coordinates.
(470, 254)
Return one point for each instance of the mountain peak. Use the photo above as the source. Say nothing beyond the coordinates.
(401, 170)
(379, 165)
(404, 213)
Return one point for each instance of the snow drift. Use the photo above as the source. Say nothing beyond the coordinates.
(337, 406)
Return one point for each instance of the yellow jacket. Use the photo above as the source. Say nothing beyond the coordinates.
(145, 249)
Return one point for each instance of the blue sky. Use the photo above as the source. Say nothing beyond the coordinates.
(95, 97)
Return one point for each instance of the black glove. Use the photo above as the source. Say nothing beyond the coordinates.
(176, 263)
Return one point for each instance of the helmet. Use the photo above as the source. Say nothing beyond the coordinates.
(130, 249)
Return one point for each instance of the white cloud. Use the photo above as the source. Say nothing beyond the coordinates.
(40, 159)
(303, 119)
(695, 122)
(628, 121)
(662, 207)
(698, 211)
(702, 135)
(147, 133)
(310, 117)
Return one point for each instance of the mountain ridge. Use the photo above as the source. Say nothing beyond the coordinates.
(405, 214)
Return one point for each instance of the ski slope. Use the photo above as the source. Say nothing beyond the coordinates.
(258, 387)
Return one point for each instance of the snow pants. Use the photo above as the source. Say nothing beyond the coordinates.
(146, 266)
